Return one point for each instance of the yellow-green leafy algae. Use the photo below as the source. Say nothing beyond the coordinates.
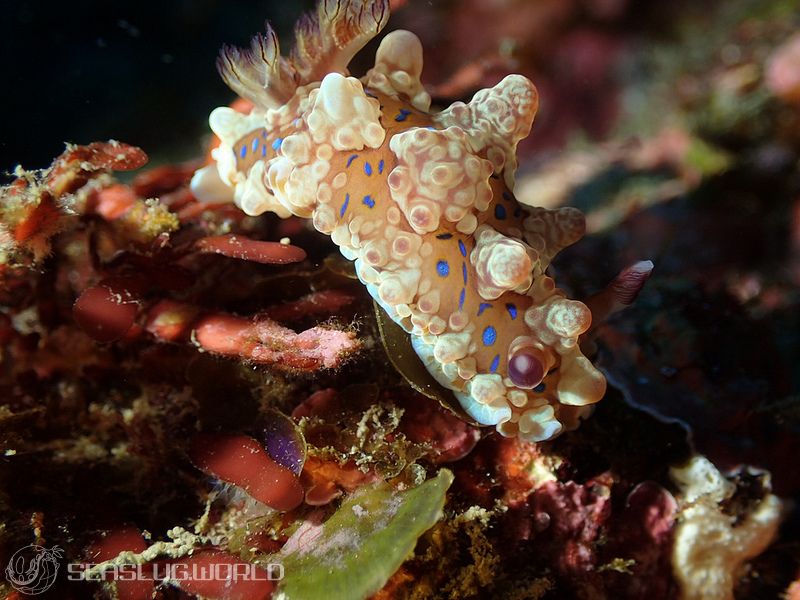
(353, 554)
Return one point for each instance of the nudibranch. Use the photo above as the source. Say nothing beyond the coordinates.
(422, 203)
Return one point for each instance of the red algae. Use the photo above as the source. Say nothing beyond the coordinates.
(243, 462)
(106, 313)
(111, 544)
(246, 249)
(256, 586)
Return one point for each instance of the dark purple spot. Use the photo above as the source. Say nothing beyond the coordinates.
(525, 369)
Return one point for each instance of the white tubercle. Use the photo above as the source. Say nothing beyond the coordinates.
(207, 186)
(580, 383)
(230, 126)
(253, 197)
(343, 115)
(501, 263)
(437, 175)
(548, 231)
(496, 119)
(398, 67)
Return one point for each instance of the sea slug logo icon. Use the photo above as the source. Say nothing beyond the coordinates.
(33, 569)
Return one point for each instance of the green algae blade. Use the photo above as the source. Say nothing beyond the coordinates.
(355, 552)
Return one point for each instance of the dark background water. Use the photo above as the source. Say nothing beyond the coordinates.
(137, 71)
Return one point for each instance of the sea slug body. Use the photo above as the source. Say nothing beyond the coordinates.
(423, 204)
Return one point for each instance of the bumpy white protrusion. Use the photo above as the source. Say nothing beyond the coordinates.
(559, 321)
(437, 175)
(487, 388)
(207, 186)
(398, 67)
(710, 544)
(344, 116)
(230, 126)
(451, 347)
(501, 263)
(486, 414)
(294, 181)
(548, 231)
(399, 286)
(580, 384)
(253, 197)
(538, 424)
(496, 120)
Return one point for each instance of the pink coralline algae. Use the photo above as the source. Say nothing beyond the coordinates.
(570, 515)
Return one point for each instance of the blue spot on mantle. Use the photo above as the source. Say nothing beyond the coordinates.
(344, 205)
(277, 143)
(489, 336)
(401, 116)
(369, 201)
(495, 363)
(512, 310)
(351, 159)
(442, 268)
(462, 248)
(482, 307)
